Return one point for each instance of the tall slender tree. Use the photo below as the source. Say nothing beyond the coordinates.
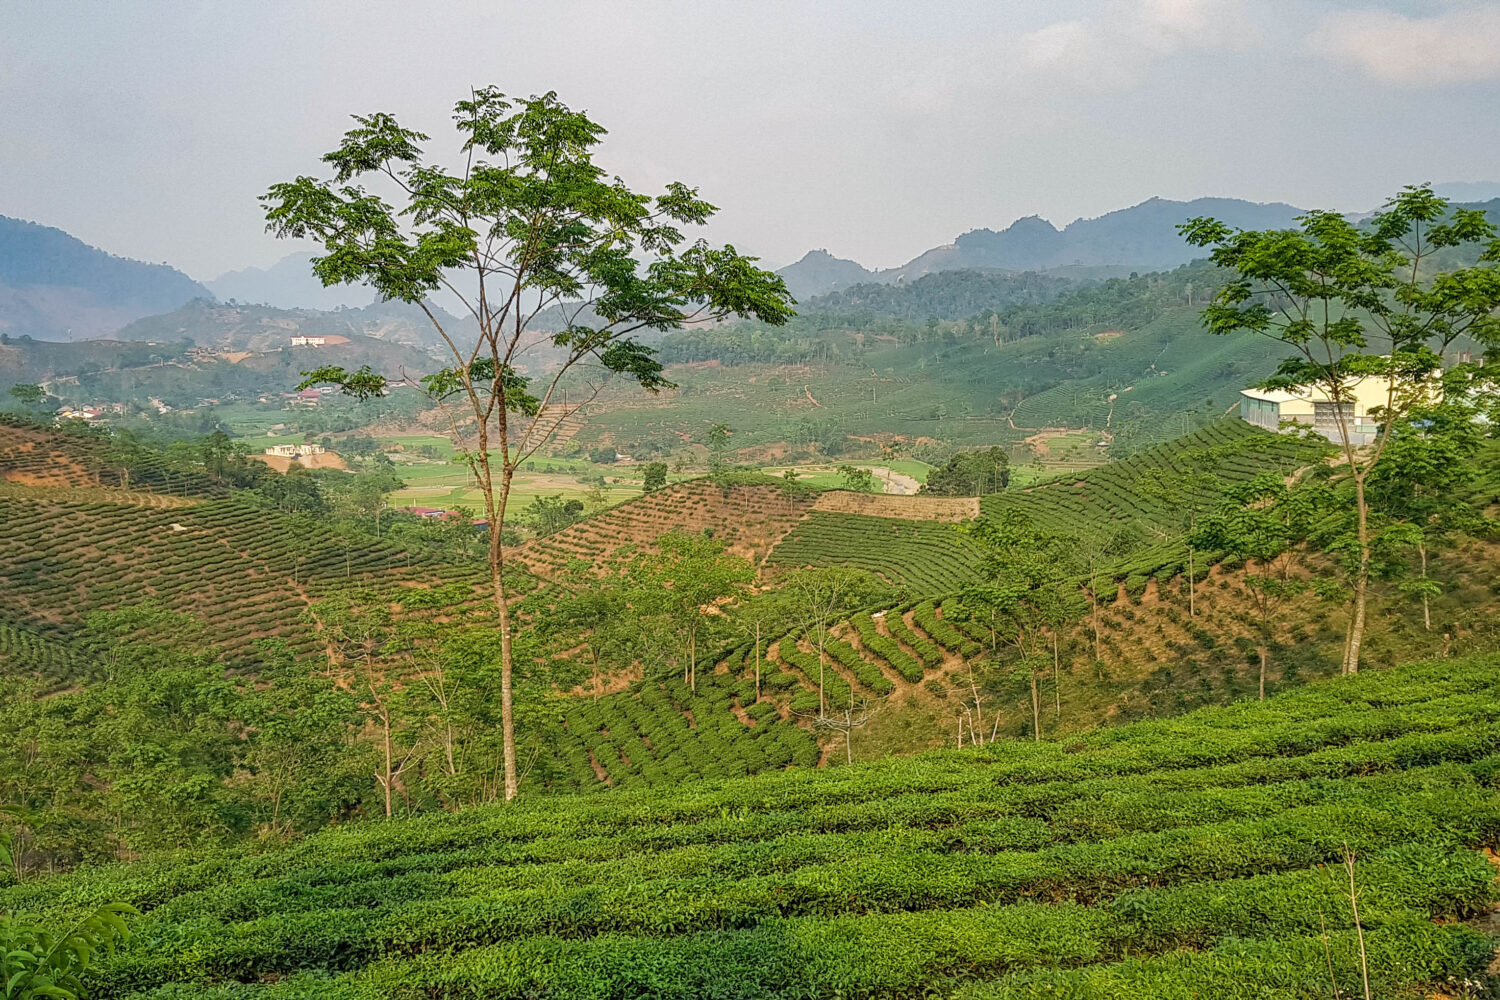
(1357, 301)
(556, 266)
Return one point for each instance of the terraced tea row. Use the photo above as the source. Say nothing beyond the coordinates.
(1197, 853)
(1231, 451)
(31, 455)
(936, 558)
(923, 556)
(658, 732)
(245, 572)
(751, 518)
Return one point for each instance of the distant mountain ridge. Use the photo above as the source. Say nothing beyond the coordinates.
(288, 284)
(819, 272)
(53, 286)
(1143, 237)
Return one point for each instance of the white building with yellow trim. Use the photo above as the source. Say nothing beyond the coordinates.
(1311, 406)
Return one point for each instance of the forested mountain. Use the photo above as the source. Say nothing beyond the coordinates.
(820, 271)
(1143, 237)
(55, 286)
(944, 295)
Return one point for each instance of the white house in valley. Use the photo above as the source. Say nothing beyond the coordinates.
(294, 450)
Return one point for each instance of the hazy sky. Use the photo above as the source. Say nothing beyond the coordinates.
(875, 129)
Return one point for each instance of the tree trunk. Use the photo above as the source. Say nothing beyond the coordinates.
(1361, 583)
(1192, 572)
(385, 720)
(1056, 678)
(1261, 649)
(821, 703)
(1426, 607)
(1036, 710)
(978, 708)
(507, 694)
(1094, 616)
(757, 661)
(496, 514)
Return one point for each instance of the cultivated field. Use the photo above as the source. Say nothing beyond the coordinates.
(1198, 857)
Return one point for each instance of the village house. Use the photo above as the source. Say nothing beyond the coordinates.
(294, 450)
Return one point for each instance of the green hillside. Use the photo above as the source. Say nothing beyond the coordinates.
(954, 360)
(1201, 857)
(935, 558)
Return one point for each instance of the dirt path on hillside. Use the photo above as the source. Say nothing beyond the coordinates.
(892, 481)
(923, 508)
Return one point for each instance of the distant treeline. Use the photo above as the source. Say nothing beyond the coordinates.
(947, 307)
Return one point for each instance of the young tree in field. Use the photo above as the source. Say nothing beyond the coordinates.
(718, 449)
(1355, 302)
(822, 598)
(682, 584)
(757, 616)
(1419, 488)
(654, 477)
(597, 610)
(1266, 527)
(1094, 552)
(549, 515)
(124, 451)
(1024, 594)
(970, 474)
(858, 480)
(525, 222)
(855, 715)
(358, 632)
(28, 395)
(300, 762)
(1187, 495)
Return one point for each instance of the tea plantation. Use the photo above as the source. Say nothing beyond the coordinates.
(935, 558)
(1196, 857)
(247, 571)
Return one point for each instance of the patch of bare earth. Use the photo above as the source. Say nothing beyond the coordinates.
(905, 508)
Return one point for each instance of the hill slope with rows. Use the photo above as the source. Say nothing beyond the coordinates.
(750, 516)
(1198, 857)
(935, 558)
(245, 572)
(36, 456)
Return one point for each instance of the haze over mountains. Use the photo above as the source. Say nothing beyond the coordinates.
(54, 286)
(1143, 237)
(288, 284)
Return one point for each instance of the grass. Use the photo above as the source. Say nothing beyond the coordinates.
(444, 484)
(1188, 858)
(827, 476)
